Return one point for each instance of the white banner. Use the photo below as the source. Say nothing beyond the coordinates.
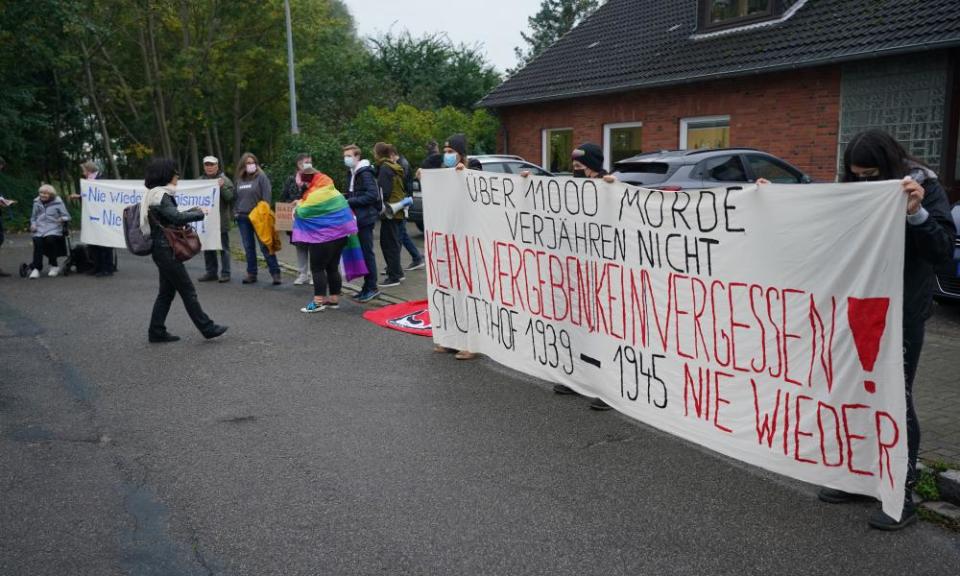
(762, 323)
(103, 202)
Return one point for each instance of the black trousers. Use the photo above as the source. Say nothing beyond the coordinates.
(390, 246)
(325, 265)
(174, 280)
(49, 246)
(913, 332)
(102, 259)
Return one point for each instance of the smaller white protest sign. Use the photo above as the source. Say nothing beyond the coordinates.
(104, 201)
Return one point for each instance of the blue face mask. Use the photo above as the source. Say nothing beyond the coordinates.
(450, 160)
(349, 161)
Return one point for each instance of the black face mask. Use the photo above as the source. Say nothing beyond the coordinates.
(579, 173)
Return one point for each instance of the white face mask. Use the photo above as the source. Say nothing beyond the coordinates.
(251, 168)
(306, 166)
(349, 161)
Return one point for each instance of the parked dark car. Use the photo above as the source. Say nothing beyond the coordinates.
(686, 169)
(947, 287)
(504, 164)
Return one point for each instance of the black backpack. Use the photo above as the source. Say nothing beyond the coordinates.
(137, 242)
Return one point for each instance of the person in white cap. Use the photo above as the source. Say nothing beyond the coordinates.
(213, 171)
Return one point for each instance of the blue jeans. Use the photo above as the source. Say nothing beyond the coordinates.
(248, 236)
(407, 242)
(365, 233)
(210, 256)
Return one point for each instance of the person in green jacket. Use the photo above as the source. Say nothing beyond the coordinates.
(213, 171)
(390, 180)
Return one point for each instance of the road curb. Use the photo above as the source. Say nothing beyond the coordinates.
(948, 483)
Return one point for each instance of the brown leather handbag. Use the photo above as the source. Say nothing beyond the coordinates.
(183, 240)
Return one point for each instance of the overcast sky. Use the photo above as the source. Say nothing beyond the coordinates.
(496, 24)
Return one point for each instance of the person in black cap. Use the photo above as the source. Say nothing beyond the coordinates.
(587, 163)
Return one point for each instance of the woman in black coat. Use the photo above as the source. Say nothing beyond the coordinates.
(158, 209)
(930, 232)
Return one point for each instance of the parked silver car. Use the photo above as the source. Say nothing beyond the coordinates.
(686, 169)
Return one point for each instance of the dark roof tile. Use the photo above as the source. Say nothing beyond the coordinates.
(629, 44)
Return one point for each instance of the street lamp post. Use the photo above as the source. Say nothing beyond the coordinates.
(294, 127)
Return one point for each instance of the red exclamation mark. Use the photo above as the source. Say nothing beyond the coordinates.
(868, 321)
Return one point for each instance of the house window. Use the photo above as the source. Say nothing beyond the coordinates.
(621, 141)
(705, 132)
(726, 13)
(557, 148)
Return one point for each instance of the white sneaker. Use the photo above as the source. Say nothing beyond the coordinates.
(55, 271)
(34, 274)
(301, 280)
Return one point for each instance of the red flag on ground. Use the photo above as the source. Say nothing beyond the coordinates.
(409, 317)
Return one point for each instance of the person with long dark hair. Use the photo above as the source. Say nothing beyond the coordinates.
(158, 209)
(875, 155)
(253, 187)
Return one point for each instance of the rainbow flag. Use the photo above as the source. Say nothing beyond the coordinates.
(324, 216)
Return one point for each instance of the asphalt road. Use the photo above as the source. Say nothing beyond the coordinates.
(323, 444)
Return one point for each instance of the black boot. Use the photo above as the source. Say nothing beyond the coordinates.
(162, 338)
(908, 516)
(214, 331)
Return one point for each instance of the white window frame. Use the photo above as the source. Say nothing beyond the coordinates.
(686, 122)
(607, 149)
(545, 141)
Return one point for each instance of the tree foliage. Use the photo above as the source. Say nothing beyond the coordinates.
(554, 19)
(121, 81)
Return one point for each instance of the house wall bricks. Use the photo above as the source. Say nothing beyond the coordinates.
(794, 115)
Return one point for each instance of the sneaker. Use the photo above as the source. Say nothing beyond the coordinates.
(881, 521)
(598, 404)
(389, 282)
(368, 296)
(207, 278)
(54, 272)
(34, 274)
(224, 278)
(313, 306)
(301, 280)
(276, 279)
(250, 279)
(417, 265)
(332, 305)
(564, 390)
(4, 274)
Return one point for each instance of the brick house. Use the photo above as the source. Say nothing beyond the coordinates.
(796, 78)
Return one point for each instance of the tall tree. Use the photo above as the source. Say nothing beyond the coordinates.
(554, 19)
(431, 71)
